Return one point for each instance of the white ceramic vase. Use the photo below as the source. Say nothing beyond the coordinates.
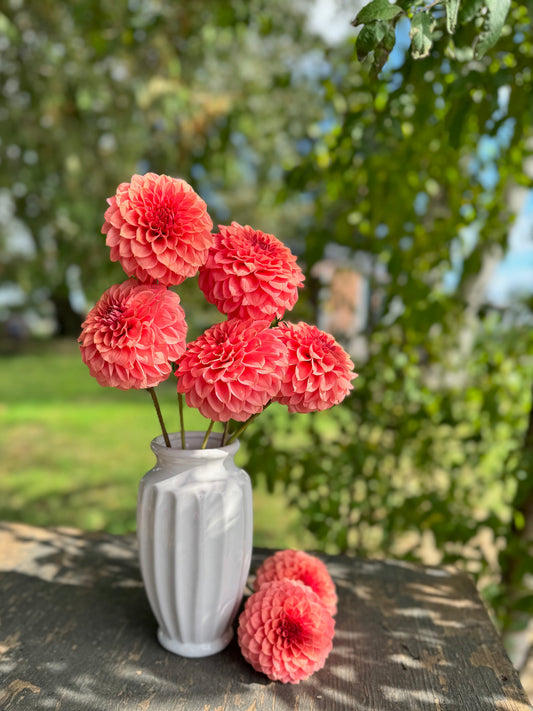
(194, 528)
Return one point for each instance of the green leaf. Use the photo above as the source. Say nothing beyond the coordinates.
(377, 10)
(380, 58)
(470, 9)
(421, 31)
(378, 37)
(455, 122)
(7, 28)
(389, 40)
(452, 10)
(493, 26)
(525, 603)
(369, 38)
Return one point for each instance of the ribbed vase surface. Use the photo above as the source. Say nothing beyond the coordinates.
(194, 528)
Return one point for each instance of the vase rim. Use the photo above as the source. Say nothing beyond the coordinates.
(194, 438)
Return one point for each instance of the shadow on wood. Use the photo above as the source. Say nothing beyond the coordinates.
(76, 634)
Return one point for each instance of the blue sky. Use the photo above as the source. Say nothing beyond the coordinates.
(514, 275)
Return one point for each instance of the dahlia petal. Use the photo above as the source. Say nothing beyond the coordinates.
(113, 236)
(114, 218)
(159, 248)
(128, 231)
(139, 250)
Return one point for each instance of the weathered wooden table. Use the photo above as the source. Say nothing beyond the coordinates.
(76, 634)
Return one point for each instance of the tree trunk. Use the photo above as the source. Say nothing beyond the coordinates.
(68, 321)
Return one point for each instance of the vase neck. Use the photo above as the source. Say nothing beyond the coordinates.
(193, 455)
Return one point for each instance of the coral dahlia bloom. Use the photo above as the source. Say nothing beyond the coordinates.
(250, 274)
(232, 370)
(285, 631)
(158, 229)
(298, 565)
(131, 334)
(319, 373)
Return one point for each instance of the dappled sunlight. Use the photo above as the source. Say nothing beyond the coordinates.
(406, 660)
(68, 557)
(80, 632)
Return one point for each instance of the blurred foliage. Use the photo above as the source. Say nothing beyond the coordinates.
(413, 174)
(94, 92)
(469, 27)
(410, 169)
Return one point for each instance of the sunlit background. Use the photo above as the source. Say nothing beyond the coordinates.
(407, 198)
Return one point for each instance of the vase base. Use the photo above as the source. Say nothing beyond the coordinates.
(194, 649)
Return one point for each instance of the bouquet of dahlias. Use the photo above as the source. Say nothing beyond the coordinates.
(159, 230)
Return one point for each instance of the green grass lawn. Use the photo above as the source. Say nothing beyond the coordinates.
(72, 452)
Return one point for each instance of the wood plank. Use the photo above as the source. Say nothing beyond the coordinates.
(77, 634)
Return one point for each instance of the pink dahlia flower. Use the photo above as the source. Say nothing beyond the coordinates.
(158, 229)
(132, 334)
(232, 370)
(285, 631)
(250, 274)
(298, 565)
(320, 372)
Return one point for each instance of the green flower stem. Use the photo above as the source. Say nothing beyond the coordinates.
(241, 429)
(225, 434)
(159, 416)
(209, 429)
(182, 421)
